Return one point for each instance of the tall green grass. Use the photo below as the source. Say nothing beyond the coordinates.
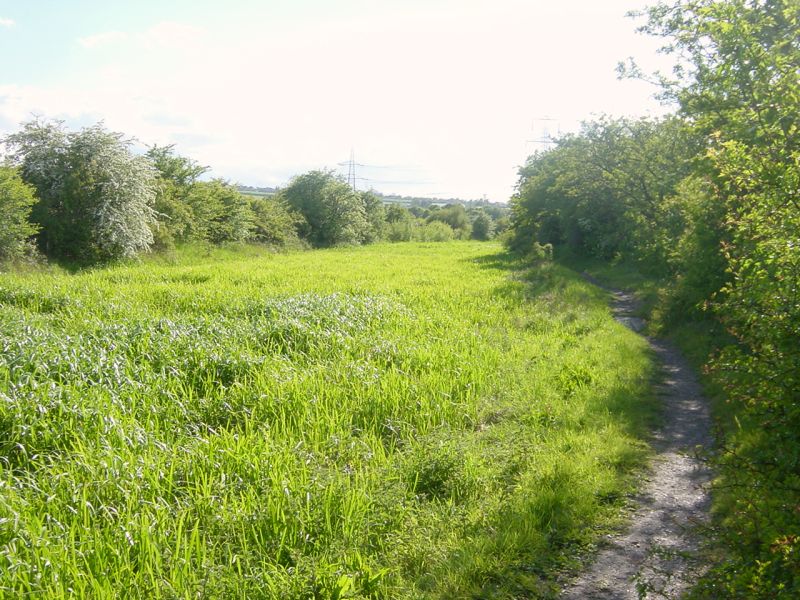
(391, 421)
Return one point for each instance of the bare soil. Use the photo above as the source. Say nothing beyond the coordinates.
(657, 556)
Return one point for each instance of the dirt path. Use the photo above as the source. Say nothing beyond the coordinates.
(653, 558)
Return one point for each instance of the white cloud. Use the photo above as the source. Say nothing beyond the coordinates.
(7, 22)
(102, 39)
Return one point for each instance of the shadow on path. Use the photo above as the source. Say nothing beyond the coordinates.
(655, 556)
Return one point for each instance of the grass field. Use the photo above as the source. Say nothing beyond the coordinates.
(389, 421)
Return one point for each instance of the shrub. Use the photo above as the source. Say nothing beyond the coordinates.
(334, 214)
(482, 227)
(16, 200)
(436, 231)
(273, 224)
(95, 195)
(541, 251)
(400, 231)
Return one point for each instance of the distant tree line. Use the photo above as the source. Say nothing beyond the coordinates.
(709, 200)
(258, 191)
(86, 197)
(427, 202)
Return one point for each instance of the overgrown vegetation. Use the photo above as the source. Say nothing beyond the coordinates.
(707, 200)
(16, 201)
(390, 421)
(97, 201)
(94, 195)
(380, 428)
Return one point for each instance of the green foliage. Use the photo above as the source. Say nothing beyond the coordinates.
(696, 258)
(454, 215)
(434, 231)
(395, 213)
(741, 89)
(541, 252)
(708, 201)
(399, 224)
(175, 218)
(419, 211)
(16, 200)
(602, 192)
(482, 226)
(178, 170)
(221, 213)
(334, 214)
(502, 224)
(375, 422)
(375, 214)
(400, 231)
(274, 224)
(190, 210)
(95, 195)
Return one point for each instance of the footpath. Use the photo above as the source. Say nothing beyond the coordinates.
(656, 556)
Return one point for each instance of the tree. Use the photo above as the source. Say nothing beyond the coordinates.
(179, 170)
(456, 217)
(16, 200)
(95, 195)
(399, 223)
(375, 214)
(211, 211)
(177, 175)
(220, 212)
(273, 223)
(482, 226)
(604, 191)
(738, 84)
(334, 214)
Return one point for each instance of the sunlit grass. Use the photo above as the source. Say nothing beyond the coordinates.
(409, 420)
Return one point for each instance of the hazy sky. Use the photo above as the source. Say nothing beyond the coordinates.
(441, 97)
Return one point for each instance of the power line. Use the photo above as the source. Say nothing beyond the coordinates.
(346, 163)
(405, 182)
(351, 170)
(545, 138)
(352, 176)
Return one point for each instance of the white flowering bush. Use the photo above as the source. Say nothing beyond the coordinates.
(95, 194)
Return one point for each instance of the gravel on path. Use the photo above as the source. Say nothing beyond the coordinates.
(656, 556)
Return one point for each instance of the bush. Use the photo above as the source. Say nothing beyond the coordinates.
(456, 217)
(16, 200)
(482, 227)
(95, 195)
(436, 231)
(221, 213)
(273, 224)
(541, 251)
(400, 231)
(334, 214)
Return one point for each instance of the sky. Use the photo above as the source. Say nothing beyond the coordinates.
(436, 98)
